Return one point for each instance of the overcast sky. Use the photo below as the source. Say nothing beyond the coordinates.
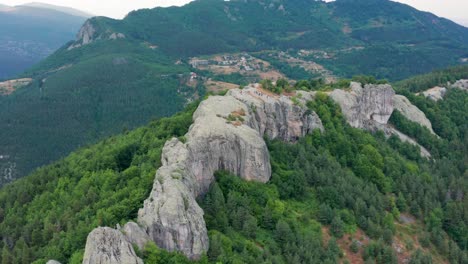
(453, 9)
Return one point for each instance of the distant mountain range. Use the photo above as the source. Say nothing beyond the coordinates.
(31, 32)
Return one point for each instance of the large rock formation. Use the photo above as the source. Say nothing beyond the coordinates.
(227, 134)
(435, 94)
(411, 112)
(364, 104)
(371, 107)
(109, 246)
(89, 33)
(461, 84)
(52, 262)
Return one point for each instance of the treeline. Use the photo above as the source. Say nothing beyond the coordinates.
(436, 78)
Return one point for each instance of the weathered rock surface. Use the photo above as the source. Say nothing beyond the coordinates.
(227, 134)
(371, 107)
(52, 262)
(435, 94)
(105, 245)
(461, 84)
(361, 104)
(135, 235)
(411, 112)
(88, 34)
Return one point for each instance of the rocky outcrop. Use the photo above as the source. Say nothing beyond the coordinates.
(52, 262)
(370, 107)
(8, 87)
(105, 245)
(461, 84)
(135, 235)
(411, 112)
(226, 134)
(363, 104)
(89, 33)
(435, 94)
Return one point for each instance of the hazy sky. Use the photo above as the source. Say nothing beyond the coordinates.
(453, 9)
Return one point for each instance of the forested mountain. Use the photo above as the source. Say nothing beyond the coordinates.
(120, 74)
(341, 195)
(31, 32)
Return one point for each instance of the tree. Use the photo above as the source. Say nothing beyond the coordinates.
(337, 227)
(283, 233)
(7, 258)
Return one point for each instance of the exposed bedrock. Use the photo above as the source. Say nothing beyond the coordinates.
(370, 107)
(226, 134)
(106, 245)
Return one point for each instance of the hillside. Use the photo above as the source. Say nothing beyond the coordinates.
(340, 195)
(29, 33)
(119, 74)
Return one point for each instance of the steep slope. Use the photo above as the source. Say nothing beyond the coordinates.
(128, 64)
(29, 33)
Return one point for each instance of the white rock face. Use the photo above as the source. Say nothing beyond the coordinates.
(461, 84)
(371, 107)
(89, 34)
(52, 262)
(360, 105)
(411, 112)
(227, 134)
(437, 93)
(109, 246)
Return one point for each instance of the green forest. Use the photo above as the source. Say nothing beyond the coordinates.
(334, 189)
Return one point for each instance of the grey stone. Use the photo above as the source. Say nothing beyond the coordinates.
(411, 112)
(227, 134)
(135, 234)
(105, 245)
(371, 107)
(435, 94)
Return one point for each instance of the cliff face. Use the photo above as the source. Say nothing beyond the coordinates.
(89, 33)
(361, 105)
(371, 107)
(227, 134)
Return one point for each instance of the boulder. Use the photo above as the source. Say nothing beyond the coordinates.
(106, 245)
(52, 262)
(435, 94)
(461, 84)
